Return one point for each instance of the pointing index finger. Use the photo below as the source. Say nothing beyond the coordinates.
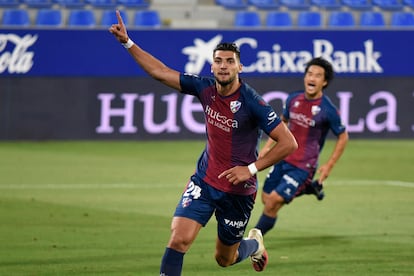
(118, 15)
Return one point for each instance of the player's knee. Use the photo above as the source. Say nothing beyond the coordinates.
(223, 261)
(264, 197)
(274, 202)
(179, 243)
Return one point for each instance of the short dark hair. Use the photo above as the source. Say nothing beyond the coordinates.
(326, 65)
(228, 46)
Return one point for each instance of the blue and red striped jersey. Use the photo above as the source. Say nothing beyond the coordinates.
(310, 121)
(233, 127)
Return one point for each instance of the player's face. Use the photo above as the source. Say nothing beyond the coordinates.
(314, 81)
(226, 67)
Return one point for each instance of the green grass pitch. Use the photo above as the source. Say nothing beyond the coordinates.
(104, 208)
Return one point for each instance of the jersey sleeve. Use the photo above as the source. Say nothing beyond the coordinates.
(288, 102)
(193, 84)
(266, 117)
(334, 118)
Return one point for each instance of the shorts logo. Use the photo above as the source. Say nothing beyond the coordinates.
(288, 191)
(290, 180)
(237, 224)
(186, 202)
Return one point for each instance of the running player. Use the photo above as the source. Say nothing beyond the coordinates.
(309, 115)
(224, 183)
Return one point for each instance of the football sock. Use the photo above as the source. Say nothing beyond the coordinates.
(172, 262)
(266, 223)
(246, 248)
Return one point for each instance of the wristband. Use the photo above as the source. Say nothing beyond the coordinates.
(252, 169)
(128, 44)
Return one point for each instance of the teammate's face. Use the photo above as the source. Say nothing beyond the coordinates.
(226, 67)
(314, 81)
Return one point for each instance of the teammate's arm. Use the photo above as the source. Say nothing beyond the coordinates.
(270, 142)
(284, 144)
(325, 169)
(153, 66)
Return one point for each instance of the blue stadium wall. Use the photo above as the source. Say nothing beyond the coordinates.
(82, 84)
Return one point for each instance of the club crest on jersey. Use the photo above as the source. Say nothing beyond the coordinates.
(315, 109)
(235, 106)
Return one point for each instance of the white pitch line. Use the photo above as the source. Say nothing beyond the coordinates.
(172, 185)
(374, 182)
(84, 186)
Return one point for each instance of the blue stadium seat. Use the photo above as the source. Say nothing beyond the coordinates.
(327, 4)
(388, 5)
(372, 19)
(296, 4)
(135, 4)
(147, 18)
(233, 4)
(279, 19)
(71, 4)
(38, 4)
(49, 17)
(409, 3)
(341, 19)
(102, 4)
(265, 4)
(81, 18)
(402, 19)
(16, 17)
(109, 17)
(358, 5)
(9, 3)
(309, 19)
(247, 19)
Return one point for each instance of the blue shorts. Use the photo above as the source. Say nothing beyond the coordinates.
(286, 180)
(200, 200)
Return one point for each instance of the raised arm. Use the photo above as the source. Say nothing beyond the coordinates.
(153, 66)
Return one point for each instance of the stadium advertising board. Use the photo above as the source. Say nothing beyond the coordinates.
(71, 84)
(264, 53)
(143, 109)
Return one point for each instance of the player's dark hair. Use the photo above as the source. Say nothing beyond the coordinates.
(326, 65)
(228, 46)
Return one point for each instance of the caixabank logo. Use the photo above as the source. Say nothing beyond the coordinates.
(278, 59)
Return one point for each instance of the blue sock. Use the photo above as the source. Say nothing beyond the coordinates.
(172, 262)
(265, 223)
(246, 248)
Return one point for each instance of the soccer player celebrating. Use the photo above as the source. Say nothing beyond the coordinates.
(309, 115)
(224, 182)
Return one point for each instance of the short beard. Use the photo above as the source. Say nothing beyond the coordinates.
(225, 83)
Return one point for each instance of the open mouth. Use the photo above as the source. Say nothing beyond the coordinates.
(223, 73)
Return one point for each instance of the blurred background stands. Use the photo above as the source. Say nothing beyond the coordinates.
(212, 14)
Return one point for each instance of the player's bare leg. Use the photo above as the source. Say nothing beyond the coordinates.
(272, 202)
(183, 233)
(226, 255)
